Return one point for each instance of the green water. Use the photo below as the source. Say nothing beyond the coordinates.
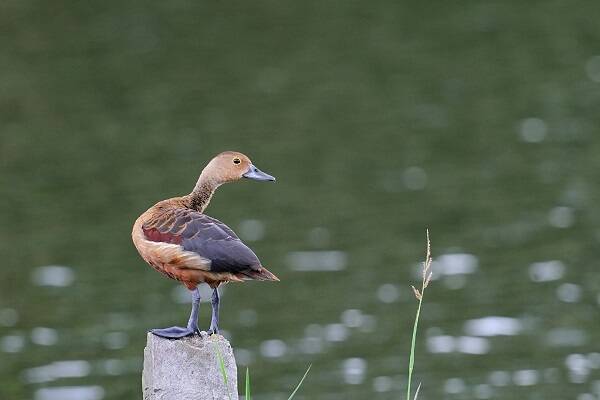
(478, 120)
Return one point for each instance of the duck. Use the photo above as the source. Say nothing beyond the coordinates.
(177, 239)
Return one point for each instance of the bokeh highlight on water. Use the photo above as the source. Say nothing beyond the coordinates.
(478, 121)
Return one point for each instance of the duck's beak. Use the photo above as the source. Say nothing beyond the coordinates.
(257, 174)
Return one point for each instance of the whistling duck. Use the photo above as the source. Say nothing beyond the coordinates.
(177, 239)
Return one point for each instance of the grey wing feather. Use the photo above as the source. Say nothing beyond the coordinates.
(206, 236)
(214, 240)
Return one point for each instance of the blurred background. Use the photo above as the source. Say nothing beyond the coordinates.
(477, 120)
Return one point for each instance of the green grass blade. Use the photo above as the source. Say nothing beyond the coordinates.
(247, 396)
(411, 361)
(223, 370)
(427, 273)
(299, 383)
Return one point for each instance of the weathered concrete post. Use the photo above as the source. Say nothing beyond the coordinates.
(188, 369)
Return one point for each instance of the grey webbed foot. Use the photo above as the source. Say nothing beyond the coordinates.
(174, 332)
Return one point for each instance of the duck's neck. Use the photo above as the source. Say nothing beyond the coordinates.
(202, 193)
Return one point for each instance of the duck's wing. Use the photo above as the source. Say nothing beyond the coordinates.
(207, 237)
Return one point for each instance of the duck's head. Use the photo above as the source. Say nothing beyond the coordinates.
(231, 166)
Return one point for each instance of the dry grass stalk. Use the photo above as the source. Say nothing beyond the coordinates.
(427, 273)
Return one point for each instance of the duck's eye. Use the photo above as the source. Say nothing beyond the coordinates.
(236, 161)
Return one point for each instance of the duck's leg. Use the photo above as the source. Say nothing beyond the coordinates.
(176, 332)
(214, 320)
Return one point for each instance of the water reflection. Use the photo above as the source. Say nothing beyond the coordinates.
(569, 292)
(317, 260)
(273, 348)
(53, 275)
(57, 370)
(493, 326)
(578, 366)
(44, 336)
(472, 345)
(561, 217)
(461, 344)
(354, 370)
(70, 393)
(525, 377)
(440, 344)
(533, 130)
(353, 318)
(547, 271)
(388, 293)
(452, 264)
(336, 333)
(12, 343)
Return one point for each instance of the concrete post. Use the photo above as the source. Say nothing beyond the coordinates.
(188, 369)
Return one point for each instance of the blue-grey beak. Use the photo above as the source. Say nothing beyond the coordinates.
(257, 174)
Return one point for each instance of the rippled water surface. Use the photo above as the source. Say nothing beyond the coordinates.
(478, 121)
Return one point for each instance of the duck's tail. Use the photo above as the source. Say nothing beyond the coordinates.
(258, 274)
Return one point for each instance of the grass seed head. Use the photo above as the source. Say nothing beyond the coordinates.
(417, 293)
